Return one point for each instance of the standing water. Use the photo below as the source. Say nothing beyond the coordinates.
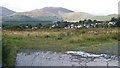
(69, 58)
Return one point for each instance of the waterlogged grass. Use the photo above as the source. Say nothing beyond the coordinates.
(90, 40)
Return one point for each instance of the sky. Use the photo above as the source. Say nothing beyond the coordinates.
(97, 7)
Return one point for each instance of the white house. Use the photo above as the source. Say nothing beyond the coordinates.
(34, 27)
(26, 26)
(53, 26)
(112, 23)
(79, 26)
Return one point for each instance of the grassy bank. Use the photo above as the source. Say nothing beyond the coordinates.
(97, 40)
(0, 46)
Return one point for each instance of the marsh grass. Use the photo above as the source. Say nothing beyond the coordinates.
(90, 40)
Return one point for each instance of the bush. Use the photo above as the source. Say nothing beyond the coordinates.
(59, 38)
(47, 36)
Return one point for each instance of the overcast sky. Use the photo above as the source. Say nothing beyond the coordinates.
(99, 7)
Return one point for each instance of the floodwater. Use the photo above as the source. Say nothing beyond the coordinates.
(69, 58)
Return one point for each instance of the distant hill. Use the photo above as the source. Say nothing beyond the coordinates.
(5, 11)
(49, 14)
(74, 16)
(56, 14)
(47, 11)
(59, 13)
(104, 18)
(56, 10)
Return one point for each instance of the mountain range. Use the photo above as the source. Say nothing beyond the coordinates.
(50, 14)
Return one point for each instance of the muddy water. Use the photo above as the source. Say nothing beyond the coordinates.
(69, 58)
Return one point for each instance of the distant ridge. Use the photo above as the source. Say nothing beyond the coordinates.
(57, 13)
(52, 14)
(47, 11)
(5, 11)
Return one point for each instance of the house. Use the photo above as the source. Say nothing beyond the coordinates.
(34, 27)
(111, 23)
(66, 27)
(53, 25)
(79, 26)
(87, 26)
(72, 26)
(26, 26)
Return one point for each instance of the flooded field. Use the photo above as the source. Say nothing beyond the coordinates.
(69, 58)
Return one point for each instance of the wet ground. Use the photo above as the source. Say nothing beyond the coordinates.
(69, 58)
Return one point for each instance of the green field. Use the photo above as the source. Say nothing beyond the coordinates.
(96, 40)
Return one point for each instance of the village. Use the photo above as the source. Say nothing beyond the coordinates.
(81, 24)
(68, 25)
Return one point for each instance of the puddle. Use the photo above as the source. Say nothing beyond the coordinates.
(69, 58)
(90, 55)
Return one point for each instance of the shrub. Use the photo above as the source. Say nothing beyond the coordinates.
(47, 36)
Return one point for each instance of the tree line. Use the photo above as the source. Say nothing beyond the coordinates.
(62, 24)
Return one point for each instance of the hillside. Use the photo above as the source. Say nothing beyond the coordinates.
(5, 11)
(22, 19)
(18, 18)
(75, 16)
(47, 11)
(104, 18)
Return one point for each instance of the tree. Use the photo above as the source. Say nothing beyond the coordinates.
(95, 21)
(89, 21)
(118, 22)
(39, 25)
(113, 19)
(29, 26)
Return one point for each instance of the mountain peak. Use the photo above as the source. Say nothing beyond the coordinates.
(56, 10)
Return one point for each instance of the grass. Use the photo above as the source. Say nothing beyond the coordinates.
(0, 52)
(97, 40)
